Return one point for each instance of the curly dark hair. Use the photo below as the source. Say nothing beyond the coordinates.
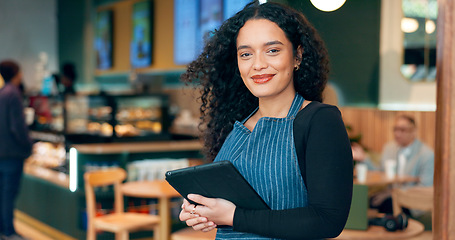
(224, 96)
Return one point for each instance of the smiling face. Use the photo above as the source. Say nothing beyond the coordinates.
(265, 59)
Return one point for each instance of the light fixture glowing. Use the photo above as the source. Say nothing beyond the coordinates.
(73, 169)
(328, 5)
(409, 25)
(262, 1)
(430, 26)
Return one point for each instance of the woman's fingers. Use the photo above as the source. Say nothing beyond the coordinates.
(195, 221)
(188, 211)
(185, 203)
(185, 215)
(201, 223)
(208, 226)
(208, 229)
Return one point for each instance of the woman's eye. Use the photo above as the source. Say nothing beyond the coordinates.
(273, 51)
(243, 55)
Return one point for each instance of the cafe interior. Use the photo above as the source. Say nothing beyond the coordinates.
(131, 119)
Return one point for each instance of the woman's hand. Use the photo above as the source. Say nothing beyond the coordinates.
(210, 213)
(193, 219)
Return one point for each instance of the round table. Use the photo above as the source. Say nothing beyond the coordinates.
(378, 178)
(379, 233)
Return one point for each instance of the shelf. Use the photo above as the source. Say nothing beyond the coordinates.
(99, 119)
(49, 175)
(55, 137)
(120, 120)
(138, 147)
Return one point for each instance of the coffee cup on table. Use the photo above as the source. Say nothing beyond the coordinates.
(361, 172)
(390, 167)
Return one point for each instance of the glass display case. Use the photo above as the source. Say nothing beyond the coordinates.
(118, 117)
(78, 119)
(46, 130)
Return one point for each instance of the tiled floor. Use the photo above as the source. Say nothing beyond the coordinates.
(29, 232)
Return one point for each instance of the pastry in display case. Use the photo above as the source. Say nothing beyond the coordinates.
(48, 155)
(142, 115)
(88, 115)
(49, 113)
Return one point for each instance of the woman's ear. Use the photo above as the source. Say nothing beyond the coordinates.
(298, 55)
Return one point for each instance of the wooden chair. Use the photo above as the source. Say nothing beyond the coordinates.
(418, 198)
(119, 222)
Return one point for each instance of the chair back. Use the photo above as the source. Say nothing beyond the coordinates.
(358, 213)
(111, 176)
(419, 198)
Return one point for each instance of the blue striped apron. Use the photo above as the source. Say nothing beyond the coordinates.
(267, 158)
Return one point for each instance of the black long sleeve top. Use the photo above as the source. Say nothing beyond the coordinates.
(15, 142)
(325, 161)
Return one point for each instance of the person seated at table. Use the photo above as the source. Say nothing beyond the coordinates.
(412, 157)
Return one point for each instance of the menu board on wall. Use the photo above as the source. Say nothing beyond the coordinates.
(210, 18)
(194, 22)
(141, 39)
(103, 39)
(231, 7)
(186, 30)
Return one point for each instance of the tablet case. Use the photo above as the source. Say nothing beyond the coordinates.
(216, 180)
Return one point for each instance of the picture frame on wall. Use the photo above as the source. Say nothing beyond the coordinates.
(104, 31)
(142, 34)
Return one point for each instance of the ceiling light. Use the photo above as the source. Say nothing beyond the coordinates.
(328, 5)
(409, 25)
(430, 26)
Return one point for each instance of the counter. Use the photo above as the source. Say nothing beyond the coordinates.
(58, 199)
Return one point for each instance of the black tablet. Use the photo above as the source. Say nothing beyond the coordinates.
(216, 180)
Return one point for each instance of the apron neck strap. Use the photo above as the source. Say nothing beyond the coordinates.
(296, 104)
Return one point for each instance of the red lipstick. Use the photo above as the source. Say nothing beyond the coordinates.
(263, 78)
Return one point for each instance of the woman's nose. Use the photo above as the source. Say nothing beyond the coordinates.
(259, 62)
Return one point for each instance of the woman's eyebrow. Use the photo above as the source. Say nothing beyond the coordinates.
(273, 43)
(266, 44)
(242, 47)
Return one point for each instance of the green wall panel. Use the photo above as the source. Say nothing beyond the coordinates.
(351, 34)
(71, 20)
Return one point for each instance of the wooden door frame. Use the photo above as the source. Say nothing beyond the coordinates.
(444, 177)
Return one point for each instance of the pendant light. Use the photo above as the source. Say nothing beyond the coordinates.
(328, 5)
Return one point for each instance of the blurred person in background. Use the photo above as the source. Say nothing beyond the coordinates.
(412, 158)
(65, 81)
(15, 145)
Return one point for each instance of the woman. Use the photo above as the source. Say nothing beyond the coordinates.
(263, 73)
